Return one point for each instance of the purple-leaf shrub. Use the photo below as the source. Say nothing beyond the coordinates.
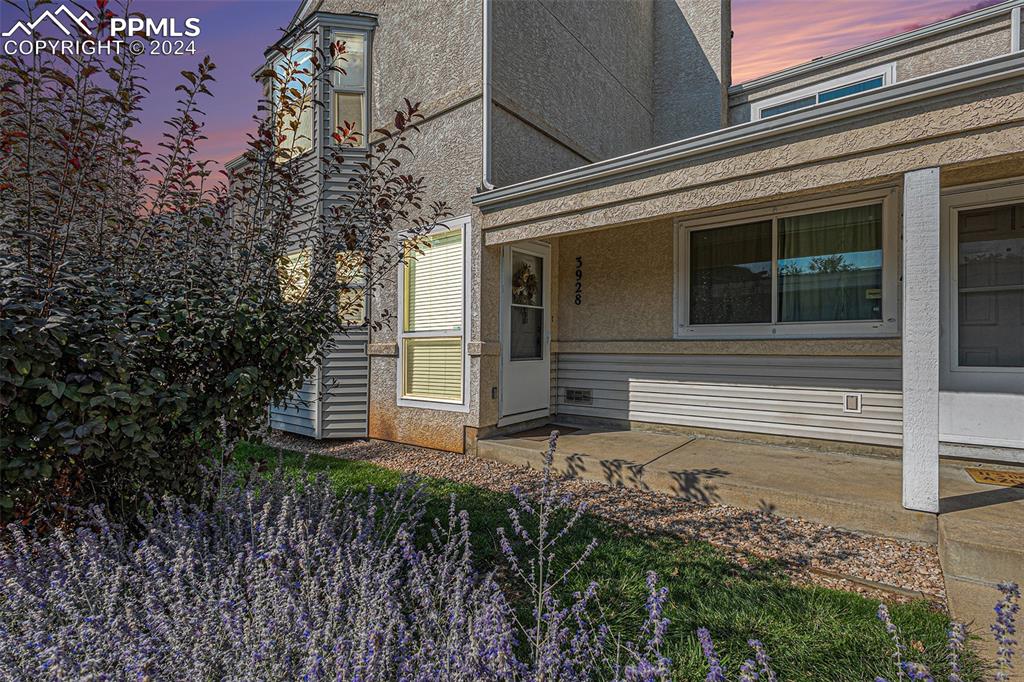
(149, 313)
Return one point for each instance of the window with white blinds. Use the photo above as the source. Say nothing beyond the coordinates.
(434, 285)
(433, 310)
(433, 369)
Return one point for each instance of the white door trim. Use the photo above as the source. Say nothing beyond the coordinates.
(541, 407)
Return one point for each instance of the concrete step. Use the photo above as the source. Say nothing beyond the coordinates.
(856, 493)
(977, 550)
(971, 603)
(981, 529)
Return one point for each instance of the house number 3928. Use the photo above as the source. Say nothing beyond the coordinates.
(579, 281)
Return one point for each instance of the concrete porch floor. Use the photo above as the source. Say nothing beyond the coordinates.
(979, 530)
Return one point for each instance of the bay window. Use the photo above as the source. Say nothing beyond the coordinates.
(293, 99)
(350, 269)
(432, 322)
(293, 271)
(348, 89)
(820, 271)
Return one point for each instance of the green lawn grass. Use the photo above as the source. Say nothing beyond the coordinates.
(811, 633)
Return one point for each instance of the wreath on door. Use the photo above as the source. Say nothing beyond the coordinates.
(524, 285)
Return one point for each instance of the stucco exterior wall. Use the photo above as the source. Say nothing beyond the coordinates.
(439, 72)
(692, 65)
(521, 150)
(878, 148)
(447, 155)
(574, 71)
(956, 47)
(593, 80)
(444, 73)
(627, 284)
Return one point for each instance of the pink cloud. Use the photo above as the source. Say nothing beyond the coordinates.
(774, 34)
(976, 6)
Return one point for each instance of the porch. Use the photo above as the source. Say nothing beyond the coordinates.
(797, 278)
(977, 530)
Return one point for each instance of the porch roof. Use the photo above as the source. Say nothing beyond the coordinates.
(961, 116)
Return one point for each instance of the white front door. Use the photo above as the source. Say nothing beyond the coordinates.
(525, 333)
(981, 399)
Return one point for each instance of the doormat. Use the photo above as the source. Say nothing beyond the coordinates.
(1007, 479)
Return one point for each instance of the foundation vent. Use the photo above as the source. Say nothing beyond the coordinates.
(579, 396)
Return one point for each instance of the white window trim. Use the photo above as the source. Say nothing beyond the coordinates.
(462, 223)
(1000, 193)
(886, 71)
(888, 326)
(364, 91)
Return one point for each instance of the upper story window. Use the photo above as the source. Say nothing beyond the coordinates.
(293, 94)
(827, 91)
(348, 90)
(815, 271)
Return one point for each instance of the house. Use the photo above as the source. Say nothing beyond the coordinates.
(832, 254)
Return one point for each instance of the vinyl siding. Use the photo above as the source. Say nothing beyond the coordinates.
(298, 413)
(344, 372)
(346, 383)
(779, 395)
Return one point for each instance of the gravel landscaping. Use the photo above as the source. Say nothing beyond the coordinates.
(812, 553)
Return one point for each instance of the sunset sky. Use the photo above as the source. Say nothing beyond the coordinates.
(773, 34)
(769, 35)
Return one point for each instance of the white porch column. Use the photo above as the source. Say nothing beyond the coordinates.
(921, 234)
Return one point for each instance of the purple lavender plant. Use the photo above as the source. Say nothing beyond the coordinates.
(1005, 628)
(955, 642)
(763, 661)
(566, 642)
(715, 671)
(649, 663)
(553, 648)
(898, 650)
(264, 582)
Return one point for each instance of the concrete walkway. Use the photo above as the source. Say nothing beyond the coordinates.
(979, 530)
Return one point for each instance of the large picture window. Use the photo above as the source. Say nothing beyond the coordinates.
(819, 272)
(830, 265)
(433, 319)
